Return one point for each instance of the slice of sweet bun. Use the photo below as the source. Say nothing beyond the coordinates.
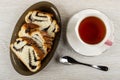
(28, 52)
(44, 20)
(40, 37)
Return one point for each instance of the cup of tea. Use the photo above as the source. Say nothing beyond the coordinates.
(92, 30)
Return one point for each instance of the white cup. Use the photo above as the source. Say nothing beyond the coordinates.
(78, 44)
(94, 13)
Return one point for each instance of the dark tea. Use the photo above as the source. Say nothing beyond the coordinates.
(92, 30)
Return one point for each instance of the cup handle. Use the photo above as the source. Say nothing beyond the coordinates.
(108, 43)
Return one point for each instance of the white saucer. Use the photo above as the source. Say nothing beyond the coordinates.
(78, 46)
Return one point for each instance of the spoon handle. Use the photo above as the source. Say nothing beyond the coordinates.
(103, 68)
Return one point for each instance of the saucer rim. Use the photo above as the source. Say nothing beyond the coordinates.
(103, 47)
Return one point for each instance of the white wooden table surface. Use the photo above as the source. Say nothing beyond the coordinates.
(11, 10)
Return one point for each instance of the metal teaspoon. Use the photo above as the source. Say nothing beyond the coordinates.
(69, 60)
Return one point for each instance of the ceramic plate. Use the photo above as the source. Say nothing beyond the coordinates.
(77, 45)
(42, 6)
